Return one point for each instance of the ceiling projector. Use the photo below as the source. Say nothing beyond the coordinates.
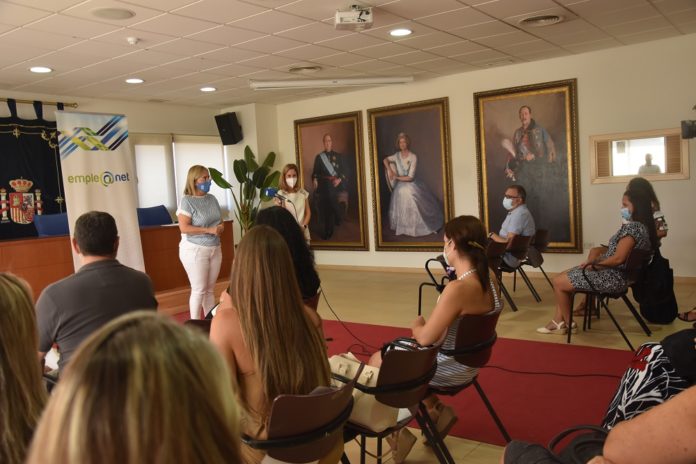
(357, 18)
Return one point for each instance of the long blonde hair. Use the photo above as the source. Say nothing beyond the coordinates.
(22, 392)
(141, 389)
(194, 173)
(286, 348)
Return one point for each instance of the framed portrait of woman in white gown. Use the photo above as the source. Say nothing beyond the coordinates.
(411, 174)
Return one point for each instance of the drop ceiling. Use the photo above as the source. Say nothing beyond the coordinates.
(184, 44)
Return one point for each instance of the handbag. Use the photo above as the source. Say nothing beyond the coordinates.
(367, 411)
(581, 448)
(654, 292)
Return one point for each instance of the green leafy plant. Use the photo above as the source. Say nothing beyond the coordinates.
(253, 179)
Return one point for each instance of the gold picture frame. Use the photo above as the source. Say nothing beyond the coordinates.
(542, 156)
(410, 214)
(338, 219)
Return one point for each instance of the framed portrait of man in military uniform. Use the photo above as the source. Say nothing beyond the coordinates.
(528, 136)
(330, 161)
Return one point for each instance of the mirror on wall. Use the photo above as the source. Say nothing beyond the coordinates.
(655, 155)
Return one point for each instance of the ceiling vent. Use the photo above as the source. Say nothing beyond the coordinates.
(541, 20)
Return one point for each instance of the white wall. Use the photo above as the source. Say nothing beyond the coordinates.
(142, 117)
(631, 88)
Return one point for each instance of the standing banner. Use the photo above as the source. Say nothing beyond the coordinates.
(99, 174)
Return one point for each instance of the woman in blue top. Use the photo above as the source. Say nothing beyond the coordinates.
(604, 269)
(200, 222)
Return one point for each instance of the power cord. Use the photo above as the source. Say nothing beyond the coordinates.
(362, 345)
(556, 374)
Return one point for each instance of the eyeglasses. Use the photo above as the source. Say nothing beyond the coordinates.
(510, 196)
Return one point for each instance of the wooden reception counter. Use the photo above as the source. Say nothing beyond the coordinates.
(43, 260)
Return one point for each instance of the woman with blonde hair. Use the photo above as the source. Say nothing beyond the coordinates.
(296, 198)
(141, 389)
(22, 392)
(200, 222)
(272, 343)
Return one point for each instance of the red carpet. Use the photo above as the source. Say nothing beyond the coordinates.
(532, 407)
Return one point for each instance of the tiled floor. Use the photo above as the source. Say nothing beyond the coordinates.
(391, 298)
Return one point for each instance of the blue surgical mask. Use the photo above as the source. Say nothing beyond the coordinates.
(507, 203)
(625, 214)
(204, 187)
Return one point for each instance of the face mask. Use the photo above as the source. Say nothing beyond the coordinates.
(291, 181)
(625, 214)
(204, 187)
(444, 253)
(507, 203)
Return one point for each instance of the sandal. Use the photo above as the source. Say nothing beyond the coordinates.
(557, 328)
(688, 316)
(401, 444)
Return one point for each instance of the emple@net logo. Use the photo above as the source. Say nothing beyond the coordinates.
(106, 178)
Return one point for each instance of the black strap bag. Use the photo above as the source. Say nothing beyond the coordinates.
(654, 291)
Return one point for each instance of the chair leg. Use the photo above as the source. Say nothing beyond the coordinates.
(530, 285)
(429, 429)
(506, 294)
(569, 332)
(420, 294)
(495, 417)
(547, 277)
(514, 281)
(363, 450)
(637, 315)
(616, 323)
(379, 450)
(344, 459)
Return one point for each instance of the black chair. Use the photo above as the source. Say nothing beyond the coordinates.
(518, 247)
(476, 336)
(495, 252)
(402, 383)
(153, 216)
(296, 436)
(535, 257)
(439, 285)
(636, 261)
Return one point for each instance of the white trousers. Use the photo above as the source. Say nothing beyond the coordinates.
(202, 265)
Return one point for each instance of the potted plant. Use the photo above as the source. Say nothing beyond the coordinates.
(254, 179)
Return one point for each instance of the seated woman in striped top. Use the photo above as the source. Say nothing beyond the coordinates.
(474, 292)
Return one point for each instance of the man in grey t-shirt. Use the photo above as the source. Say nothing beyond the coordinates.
(70, 310)
(519, 220)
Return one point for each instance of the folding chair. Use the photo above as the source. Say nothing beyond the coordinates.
(494, 253)
(476, 336)
(305, 428)
(635, 262)
(535, 259)
(402, 383)
(438, 285)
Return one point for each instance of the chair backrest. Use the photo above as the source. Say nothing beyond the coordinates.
(295, 435)
(541, 240)
(48, 225)
(637, 260)
(519, 245)
(494, 253)
(404, 376)
(153, 216)
(476, 336)
(199, 324)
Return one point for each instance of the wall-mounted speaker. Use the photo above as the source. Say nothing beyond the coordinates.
(229, 128)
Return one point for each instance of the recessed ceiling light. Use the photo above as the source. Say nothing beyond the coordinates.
(208, 89)
(541, 20)
(304, 69)
(134, 80)
(400, 32)
(40, 69)
(117, 14)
